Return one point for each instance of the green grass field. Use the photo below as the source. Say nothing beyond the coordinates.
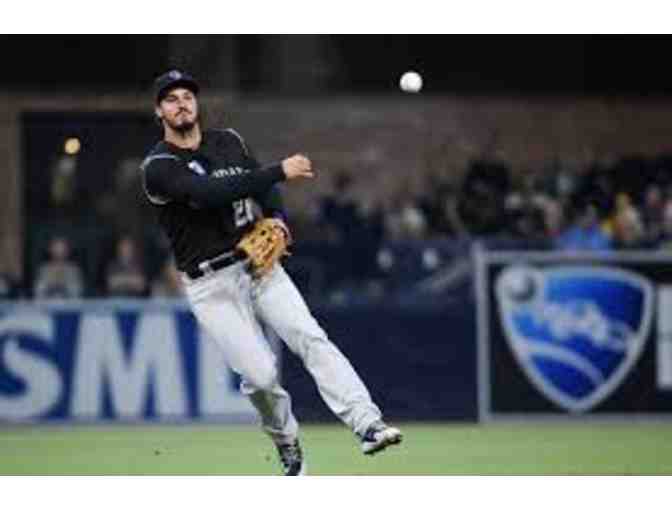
(510, 449)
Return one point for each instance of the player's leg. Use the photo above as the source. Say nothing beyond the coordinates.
(275, 408)
(281, 307)
(221, 302)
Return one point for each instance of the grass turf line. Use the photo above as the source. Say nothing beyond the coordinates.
(428, 449)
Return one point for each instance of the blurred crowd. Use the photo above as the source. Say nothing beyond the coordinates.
(61, 275)
(344, 240)
(624, 204)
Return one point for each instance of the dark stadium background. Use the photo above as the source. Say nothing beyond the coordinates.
(409, 187)
(351, 63)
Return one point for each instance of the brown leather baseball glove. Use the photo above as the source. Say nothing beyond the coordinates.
(264, 245)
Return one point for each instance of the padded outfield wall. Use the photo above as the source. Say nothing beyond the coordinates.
(138, 360)
(544, 335)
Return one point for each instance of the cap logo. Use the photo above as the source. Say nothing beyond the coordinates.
(175, 75)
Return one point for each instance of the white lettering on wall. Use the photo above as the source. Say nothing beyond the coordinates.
(101, 360)
(43, 383)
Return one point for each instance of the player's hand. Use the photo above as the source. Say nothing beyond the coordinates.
(297, 167)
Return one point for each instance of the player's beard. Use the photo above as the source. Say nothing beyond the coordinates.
(183, 127)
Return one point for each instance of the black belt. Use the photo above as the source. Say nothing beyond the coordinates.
(212, 265)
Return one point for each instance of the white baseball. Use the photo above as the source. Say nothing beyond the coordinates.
(411, 82)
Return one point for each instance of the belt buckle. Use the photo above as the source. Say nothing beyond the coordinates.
(205, 268)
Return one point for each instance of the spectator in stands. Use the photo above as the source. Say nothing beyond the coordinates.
(63, 190)
(664, 241)
(625, 226)
(353, 230)
(59, 277)
(121, 205)
(439, 206)
(406, 219)
(585, 234)
(597, 186)
(453, 222)
(564, 182)
(653, 211)
(436, 189)
(125, 276)
(9, 288)
(524, 210)
(367, 238)
(338, 210)
(481, 203)
(168, 283)
(554, 217)
(527, 224)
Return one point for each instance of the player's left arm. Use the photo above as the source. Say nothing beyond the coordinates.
(270, 201)
(272, 206)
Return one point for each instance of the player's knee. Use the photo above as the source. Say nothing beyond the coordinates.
(264, 378)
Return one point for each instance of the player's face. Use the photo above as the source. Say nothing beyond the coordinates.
(179, 110)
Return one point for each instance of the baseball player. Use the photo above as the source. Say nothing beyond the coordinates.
(209, 193)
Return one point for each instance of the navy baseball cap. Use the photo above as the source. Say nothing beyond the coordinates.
(173, 79)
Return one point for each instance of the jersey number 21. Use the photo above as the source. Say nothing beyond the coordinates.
(242, 212)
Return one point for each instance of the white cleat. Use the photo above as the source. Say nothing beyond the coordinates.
(378, 437)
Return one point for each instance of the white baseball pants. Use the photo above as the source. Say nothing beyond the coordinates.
(234, 309)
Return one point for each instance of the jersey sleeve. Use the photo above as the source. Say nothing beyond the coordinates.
(167, 179)
(271, 203)
(270, 200)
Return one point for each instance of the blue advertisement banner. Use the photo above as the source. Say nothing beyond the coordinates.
(137, 360)
(112, 360)
(581, 334)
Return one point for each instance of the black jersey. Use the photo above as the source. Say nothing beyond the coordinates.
(206, 197)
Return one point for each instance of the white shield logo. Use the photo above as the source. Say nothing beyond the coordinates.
(575, 331)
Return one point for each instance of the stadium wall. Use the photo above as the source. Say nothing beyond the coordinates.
(545, 335)
(148, 361)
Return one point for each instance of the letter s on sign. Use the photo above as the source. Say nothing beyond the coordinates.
(42, 380)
